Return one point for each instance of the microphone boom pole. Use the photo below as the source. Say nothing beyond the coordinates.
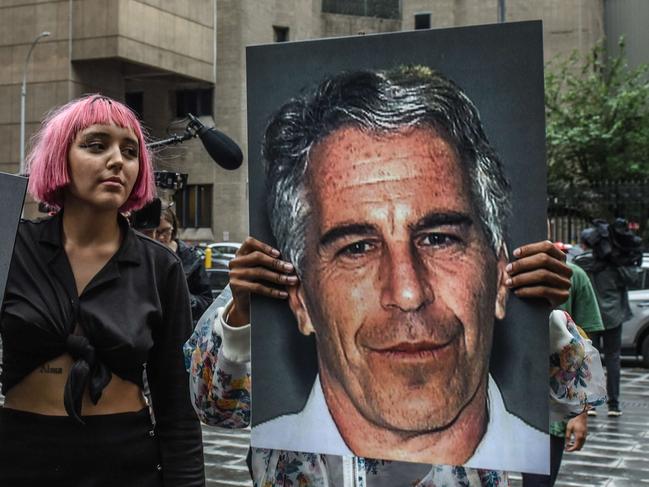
(174, 139)
(221, 148)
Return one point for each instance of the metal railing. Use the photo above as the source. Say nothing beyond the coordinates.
(571, 208)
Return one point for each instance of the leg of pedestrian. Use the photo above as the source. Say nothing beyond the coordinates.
(612, 345)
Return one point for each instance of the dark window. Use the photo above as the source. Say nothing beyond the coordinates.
(135, 101)
(385, 9)
(280, 34)
(196, 102)
(422, 21)
(194, 206)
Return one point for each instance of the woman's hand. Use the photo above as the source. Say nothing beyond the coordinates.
(254, 269)
(576, 432)
(540, 271)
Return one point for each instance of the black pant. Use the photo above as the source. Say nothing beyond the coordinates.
(114, 450)
(612, 339)
(556, 454)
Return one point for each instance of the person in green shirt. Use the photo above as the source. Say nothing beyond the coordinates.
(582, 302)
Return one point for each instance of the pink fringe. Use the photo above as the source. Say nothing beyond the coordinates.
(47, 162)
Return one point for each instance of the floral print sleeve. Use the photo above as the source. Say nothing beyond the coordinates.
(577, 380)
(277, 468)
(219, 383)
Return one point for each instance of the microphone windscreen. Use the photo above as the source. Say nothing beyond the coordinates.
(225, 151)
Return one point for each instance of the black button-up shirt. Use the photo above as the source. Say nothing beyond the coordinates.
(133, 314)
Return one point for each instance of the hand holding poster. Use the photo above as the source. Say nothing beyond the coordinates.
(397, 172)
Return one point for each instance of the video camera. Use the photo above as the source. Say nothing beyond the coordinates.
(614, 243)
(148, 217)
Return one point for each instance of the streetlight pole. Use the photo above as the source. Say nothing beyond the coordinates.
(23, 96)
(502, 11)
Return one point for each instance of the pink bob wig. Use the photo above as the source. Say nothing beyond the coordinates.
(48, 160)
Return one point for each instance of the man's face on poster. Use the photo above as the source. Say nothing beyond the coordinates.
(400, 284)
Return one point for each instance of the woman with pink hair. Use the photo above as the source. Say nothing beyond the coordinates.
(94, 312)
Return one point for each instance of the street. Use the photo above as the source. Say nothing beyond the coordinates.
(616, 453)
(225, 457)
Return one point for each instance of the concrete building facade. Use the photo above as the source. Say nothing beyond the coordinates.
(628, 19)
(165, 56)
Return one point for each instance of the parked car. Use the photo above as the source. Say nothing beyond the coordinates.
(218, 260)
(224, 250)
(635, 331)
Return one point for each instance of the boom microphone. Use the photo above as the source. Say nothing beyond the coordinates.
(225, 152)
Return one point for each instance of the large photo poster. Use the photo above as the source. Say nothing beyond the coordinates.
(397, 172)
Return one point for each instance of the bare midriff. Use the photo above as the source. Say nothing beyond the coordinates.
(41, 392)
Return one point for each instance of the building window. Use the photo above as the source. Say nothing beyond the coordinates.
(384, 9)
(280, 34)
(197, 102)
(135, 101)
(422, 21)
(194, 206)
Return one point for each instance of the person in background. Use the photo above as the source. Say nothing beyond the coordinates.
(149, 232)
(570, 435)
(610, 275)
(218, 354)
(197, 280)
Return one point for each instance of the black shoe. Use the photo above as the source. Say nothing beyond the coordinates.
(614, 412)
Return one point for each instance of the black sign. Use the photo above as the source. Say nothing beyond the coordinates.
(12, 195)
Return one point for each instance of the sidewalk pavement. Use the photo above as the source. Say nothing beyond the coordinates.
(225, 457)
(616, 453)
